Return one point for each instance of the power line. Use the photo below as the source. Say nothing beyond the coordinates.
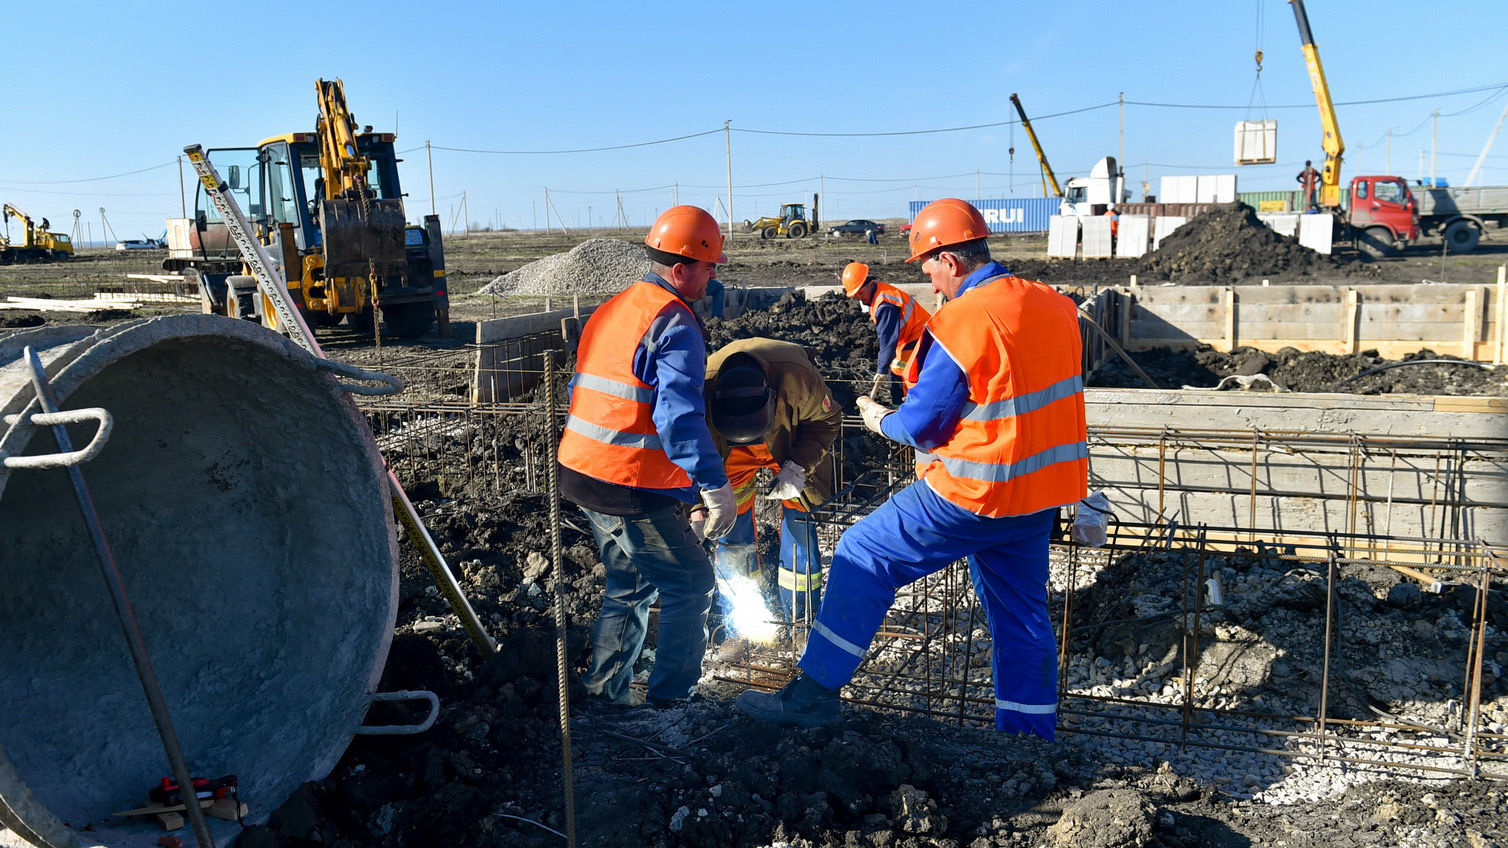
(578, 150)
(87, 179)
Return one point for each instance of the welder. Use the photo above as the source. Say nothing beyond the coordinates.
(770, 408)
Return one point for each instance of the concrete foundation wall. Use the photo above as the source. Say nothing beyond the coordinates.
(1402, 467)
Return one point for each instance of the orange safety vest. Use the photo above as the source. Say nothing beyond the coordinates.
(914, 318)
(1021, 445)
(609, 434)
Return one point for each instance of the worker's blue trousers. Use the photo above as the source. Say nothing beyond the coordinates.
(917, 533)
(649, 555)
(800, 571)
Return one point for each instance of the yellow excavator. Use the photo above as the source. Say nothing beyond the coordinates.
(330, 204)
(36, 245)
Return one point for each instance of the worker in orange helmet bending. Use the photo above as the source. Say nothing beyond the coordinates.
(639, 460)
(897, 317)
(770, 408)
(997, 399)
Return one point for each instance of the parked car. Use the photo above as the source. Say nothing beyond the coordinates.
(905, 230)
(857, 227)
(141, 244)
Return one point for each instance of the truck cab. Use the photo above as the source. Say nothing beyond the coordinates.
(1085, 197)
(1382, 214)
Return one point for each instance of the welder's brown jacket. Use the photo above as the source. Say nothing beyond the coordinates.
(806, 421)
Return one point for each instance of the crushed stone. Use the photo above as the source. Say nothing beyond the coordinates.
(596, 266)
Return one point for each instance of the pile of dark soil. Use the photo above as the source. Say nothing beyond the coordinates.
(1228, 244)
(1365, 373)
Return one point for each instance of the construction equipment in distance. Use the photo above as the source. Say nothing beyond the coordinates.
(36, 245)
(331, 205)
(1047, 174)
(792, 222)
(1379, 213)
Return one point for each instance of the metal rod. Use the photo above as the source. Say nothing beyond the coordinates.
(124, 611)
(557, 557)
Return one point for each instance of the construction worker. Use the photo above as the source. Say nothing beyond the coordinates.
(770, 408)
(637, 454)
(997, 398)
(898, 319)
(1115, 221)
(1309, 178)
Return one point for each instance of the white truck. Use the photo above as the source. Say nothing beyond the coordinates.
(1086, 197)
(1460, 216)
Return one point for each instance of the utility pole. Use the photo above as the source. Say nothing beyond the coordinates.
(182, 195)
(1434, 145)
(428, 155)
(728, 143)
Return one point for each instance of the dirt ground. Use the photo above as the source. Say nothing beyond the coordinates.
(491, 771)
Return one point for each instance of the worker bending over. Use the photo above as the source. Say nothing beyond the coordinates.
(997, 399)
(770, 408)
(637, 454)
(897, 317)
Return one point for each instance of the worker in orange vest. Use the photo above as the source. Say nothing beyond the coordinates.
(997, 399)
(897, 317)
(1115, 221)
(637, 456)
(770, 408)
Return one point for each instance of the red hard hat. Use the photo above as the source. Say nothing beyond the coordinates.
(688, 231)
(943, 223)
(855, 275)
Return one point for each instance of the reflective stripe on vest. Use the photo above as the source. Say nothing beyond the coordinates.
(610, 433)
(914, 318)
(1021, 444)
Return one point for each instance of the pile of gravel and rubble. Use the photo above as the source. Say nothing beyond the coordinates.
(596, 266)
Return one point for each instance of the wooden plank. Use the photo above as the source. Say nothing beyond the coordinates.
(1348, 324)
(1491, 405)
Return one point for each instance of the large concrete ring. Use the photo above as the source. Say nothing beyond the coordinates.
(247, 509)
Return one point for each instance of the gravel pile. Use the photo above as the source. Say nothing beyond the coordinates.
(596, 266)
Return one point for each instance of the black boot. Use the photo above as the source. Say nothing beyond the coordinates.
(801, 703)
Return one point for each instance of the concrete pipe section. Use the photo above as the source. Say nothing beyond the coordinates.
(247, 510)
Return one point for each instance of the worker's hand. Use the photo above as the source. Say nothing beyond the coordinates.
(699, 523)
(722, 509)
(788, 483)
(873, 413)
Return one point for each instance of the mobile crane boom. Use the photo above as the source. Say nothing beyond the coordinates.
(1329, 189)
(1047, 174)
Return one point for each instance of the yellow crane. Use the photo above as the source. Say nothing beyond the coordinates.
(1047, 174)
(1335, 148)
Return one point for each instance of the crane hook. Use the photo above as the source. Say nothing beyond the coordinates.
(1259, 60)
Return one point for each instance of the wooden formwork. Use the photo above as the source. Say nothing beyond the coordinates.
(1395, 320)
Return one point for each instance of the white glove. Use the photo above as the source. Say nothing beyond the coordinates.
(722, 509)
(873, 413)
(788, 483)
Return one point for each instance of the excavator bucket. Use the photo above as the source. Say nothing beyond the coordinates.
(356, 240)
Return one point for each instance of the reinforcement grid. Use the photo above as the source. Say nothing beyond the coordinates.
(1154, 625)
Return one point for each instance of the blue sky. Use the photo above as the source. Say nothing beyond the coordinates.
(860, 102)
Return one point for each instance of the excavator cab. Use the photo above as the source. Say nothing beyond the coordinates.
(792, 212)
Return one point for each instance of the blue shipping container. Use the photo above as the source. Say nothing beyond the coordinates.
(1009, 215)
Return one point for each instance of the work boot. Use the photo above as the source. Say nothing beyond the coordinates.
(801, 703)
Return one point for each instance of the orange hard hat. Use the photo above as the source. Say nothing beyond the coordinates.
(943, 223)
(688, 231)
(855, 275)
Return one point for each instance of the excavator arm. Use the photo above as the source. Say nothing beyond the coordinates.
(1048, 175)
(340, 158)
(31, 237)
(1329, 188)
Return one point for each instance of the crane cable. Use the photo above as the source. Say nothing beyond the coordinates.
(1256, 88)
